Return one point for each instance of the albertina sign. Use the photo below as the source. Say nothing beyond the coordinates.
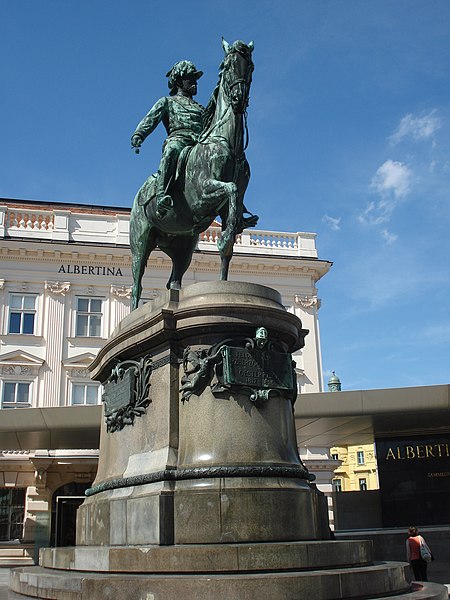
(90, 270)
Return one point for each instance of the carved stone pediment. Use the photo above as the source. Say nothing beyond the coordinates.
(77, 366)
(19, 362)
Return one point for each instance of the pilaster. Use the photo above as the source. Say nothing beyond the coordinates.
(120, 304)
(306, 306)
(54, 331)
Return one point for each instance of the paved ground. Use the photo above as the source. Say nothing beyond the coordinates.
(4, 578)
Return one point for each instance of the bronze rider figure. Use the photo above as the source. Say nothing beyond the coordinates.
(182, 117)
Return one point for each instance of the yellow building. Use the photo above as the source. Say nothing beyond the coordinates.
(357, 471)
(358, 468)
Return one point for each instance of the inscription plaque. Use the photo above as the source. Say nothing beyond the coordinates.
(119, 393)
(126, 394)
(261, 369)
(256, 366)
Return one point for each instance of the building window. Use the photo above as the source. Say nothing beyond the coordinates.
(337, 485)
(12, 512)
(22, 313)
(16, 395)
(334, 456)
(85, 393)
(360, 457)
(89, 317)
(363, 485)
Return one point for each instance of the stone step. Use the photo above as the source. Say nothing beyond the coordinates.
(210, 558)
(382, 580)
(23, 550)
(15, 561)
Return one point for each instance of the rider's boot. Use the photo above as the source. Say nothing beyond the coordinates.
(167, 167)
(164, 203)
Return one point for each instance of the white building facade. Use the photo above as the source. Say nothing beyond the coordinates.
(65, 283)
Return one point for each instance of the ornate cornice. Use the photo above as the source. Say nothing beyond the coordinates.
(202, 262)
(57, 287)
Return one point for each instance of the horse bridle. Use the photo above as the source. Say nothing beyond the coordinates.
(245, 80)
(228, 88)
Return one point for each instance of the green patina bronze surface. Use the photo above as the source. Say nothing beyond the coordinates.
(203, 172)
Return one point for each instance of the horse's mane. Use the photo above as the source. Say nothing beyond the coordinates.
(210, 108)
(243, 50)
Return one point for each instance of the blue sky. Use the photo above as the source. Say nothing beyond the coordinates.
(349, 133)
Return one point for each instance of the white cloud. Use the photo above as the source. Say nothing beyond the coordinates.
(417, 128)
(333, 222)
(392, 177)
(392, 182)
(389, 237)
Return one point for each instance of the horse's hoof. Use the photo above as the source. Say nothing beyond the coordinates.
(175, 285)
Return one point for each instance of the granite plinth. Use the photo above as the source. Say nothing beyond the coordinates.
(210, 558)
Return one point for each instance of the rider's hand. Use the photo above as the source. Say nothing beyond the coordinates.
(136, 141)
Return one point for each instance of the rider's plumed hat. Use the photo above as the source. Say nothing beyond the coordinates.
(180, 69)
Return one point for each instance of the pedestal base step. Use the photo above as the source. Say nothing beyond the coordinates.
(211, 558)
(383, 580)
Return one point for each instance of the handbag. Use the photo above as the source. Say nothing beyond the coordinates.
(424, 551)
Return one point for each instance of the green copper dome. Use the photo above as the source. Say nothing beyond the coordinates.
(334, 383)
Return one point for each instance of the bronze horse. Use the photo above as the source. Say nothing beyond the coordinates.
(212, 177)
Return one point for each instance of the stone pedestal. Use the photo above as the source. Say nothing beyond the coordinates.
(200, 490)
(210, 464)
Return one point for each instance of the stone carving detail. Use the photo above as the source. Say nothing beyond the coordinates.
(57, 287)
(257, 366)
(121, 291)
(40, 476)
(126, 394)
(80, 373)
(2, 284)
(16, 370)
(308, 301)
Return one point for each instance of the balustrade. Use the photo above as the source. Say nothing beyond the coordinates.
(63, 225)
(40, 221)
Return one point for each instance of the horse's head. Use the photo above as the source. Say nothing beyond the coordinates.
(236, 72)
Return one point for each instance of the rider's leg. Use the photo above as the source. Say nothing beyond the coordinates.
(165, 173)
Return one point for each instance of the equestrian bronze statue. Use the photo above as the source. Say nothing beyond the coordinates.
(203, 172)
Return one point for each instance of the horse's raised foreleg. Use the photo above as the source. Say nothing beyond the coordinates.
(225, 193)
